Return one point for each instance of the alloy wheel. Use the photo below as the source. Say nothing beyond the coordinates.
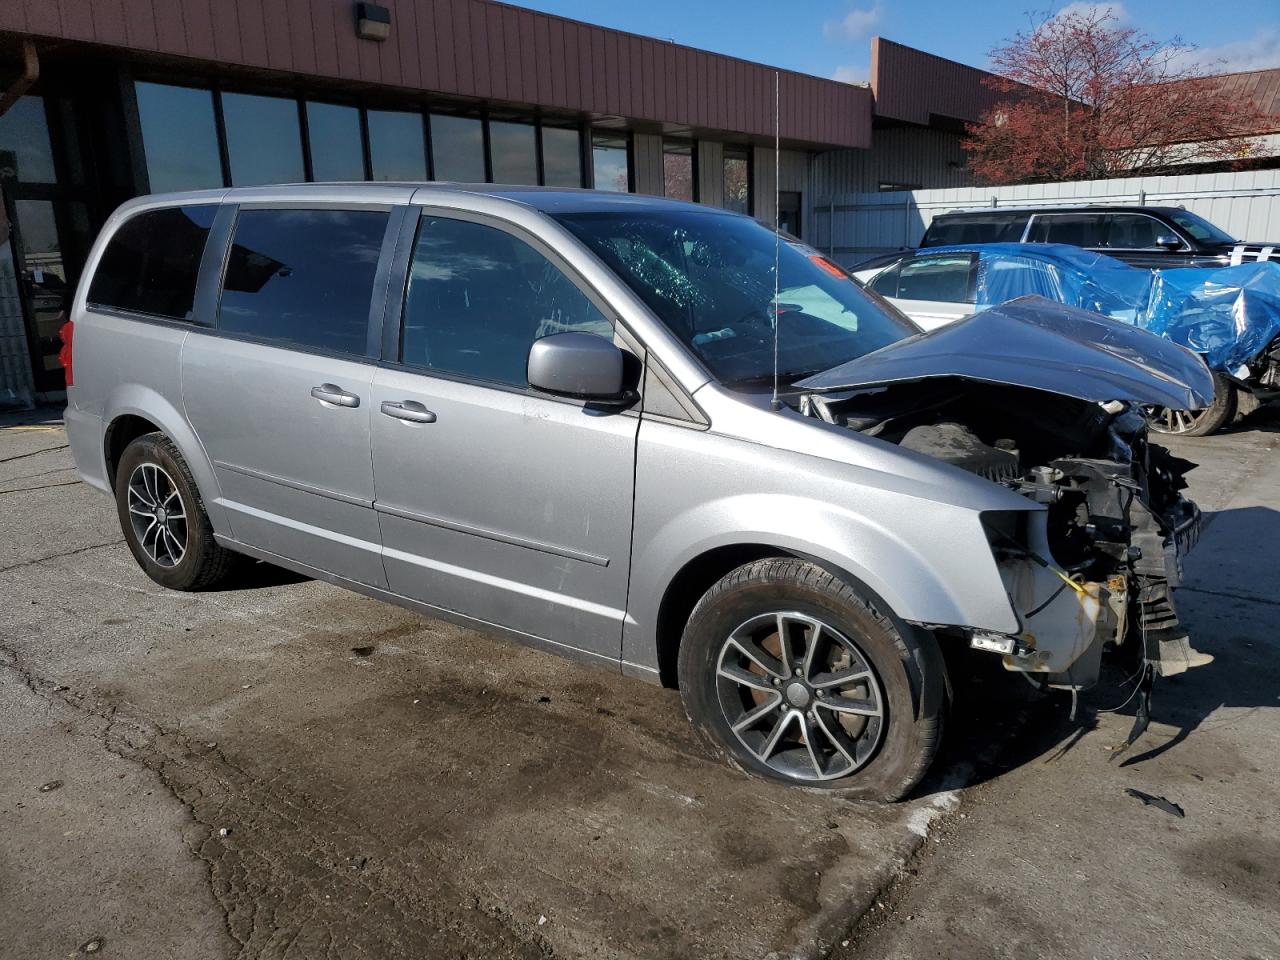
(157, 514)
(1168, 420)
(800, 696)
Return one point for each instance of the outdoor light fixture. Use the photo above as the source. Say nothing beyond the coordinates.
(372, 21)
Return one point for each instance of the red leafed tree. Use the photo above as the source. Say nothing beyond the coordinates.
(1084, 96)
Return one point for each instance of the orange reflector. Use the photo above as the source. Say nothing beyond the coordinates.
(829, 267)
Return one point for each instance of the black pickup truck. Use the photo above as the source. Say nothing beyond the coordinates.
(1142, 236)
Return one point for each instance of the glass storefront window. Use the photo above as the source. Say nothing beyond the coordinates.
(561, 157)
(25, 153)
(677, 170)
(397, 148)
(333, 134)
(610, 162)
(49, 232)
(179, 137)
(264, 143)
(457, 148)
(737, 179)
(513, 148)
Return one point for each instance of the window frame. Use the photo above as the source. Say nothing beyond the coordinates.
(214, 268)
(424, 107)
(680, 143)
(628, 147)
(398, 294)
(544, 125)
(743, 152)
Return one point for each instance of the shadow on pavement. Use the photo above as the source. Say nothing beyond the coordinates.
(252, 574)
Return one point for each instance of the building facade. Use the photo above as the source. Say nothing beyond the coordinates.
(103, 100)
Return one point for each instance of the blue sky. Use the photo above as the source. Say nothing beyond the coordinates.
(831, 38)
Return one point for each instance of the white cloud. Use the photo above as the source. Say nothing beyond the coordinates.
(1117, 10)
(852, 73)
(854, 25)
(1259, 52)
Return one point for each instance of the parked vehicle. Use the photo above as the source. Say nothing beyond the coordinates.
(1229, 315)
(547, 414)
(1142, 236)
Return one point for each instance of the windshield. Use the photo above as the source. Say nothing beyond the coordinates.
(1200, 228)
(709, 277)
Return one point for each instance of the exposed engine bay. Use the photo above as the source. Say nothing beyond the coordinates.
(1098, 565)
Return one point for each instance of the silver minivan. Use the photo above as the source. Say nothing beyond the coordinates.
(552, 415)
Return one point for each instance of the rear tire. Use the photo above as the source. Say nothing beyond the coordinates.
(1199, 423)
(791, 674)
(163, 518)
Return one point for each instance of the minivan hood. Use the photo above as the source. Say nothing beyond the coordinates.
(1036, 343)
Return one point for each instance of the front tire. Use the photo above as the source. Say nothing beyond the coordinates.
(793, 675)
(1199, 423)
(163, 518)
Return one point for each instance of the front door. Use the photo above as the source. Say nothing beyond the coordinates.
(495, 502)
(280, 394)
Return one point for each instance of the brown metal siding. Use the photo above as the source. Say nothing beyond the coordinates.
(1262, 86)
(470, 48)
(912, 85)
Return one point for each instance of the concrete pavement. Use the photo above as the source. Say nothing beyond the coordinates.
(438, 795)
(448, 795)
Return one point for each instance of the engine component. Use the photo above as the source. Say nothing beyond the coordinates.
(956, 444)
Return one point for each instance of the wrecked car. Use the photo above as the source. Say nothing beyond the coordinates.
(1230, 315)
(648, 435)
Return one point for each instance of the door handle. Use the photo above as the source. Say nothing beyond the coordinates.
(409, 410)
(328, 393)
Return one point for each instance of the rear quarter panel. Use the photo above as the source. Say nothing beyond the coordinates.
(127, 366)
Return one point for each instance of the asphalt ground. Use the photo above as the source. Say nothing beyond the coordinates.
(285, 769)
(390, 786)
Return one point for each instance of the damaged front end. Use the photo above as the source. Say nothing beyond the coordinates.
(1097, 566)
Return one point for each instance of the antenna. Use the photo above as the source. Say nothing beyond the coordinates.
(775, 403)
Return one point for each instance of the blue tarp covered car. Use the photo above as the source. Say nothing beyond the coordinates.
(1228, 315)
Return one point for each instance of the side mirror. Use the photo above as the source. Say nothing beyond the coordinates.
(1168, 241)
(580, 365)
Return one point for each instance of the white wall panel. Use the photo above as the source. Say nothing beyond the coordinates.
(853, 226)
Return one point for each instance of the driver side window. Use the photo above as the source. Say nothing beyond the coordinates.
(478, 297)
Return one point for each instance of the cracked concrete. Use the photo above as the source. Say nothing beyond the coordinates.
(108, 839)
(446, 795)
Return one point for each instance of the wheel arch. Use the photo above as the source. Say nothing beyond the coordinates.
(136, 410)
(700, 573)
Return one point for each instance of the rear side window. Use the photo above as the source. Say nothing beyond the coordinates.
(479, 297)
(303, 277)
(1076, 229)
(942, 279)
(151, 263)
(996, 228)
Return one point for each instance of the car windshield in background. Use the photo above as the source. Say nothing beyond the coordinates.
(709, 277)
(1200, 228)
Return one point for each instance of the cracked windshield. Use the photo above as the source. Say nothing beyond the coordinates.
(709, 278)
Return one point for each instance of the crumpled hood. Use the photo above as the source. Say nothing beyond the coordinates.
(1034, 342)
